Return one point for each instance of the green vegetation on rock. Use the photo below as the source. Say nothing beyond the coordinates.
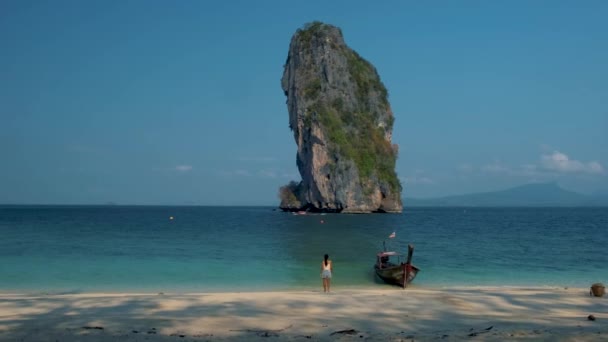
(287, 194)
(366, 78)
(315, 28)
(313, 89)
(356, 137)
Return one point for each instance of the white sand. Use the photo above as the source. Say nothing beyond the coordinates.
(386, 314)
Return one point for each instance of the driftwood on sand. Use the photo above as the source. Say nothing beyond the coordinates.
(475, 333)
(263, 332)
(346, 331)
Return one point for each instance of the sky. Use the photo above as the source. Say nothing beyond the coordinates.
(179, 102)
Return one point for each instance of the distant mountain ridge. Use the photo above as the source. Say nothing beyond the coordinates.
(529, 195)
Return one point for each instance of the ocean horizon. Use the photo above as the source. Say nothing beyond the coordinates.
(155, 248)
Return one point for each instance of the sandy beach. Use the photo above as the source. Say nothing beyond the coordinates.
(387, 314)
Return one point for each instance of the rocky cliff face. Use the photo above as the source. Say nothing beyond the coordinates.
(342, 124)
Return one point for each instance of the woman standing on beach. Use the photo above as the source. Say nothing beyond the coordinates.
(326, 269)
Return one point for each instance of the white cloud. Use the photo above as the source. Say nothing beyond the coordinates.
(279, 174)
(264, 173)
(235, 173)
(267, 174)
(418, 180)
(466, 168)
(183, 168)
(524, 170)
(244, 173)
(496, 167)
(529, 170)
(595, 167)
(560, 162)
(417, 177)
(257, 159)
(546, 148)
(291, 176)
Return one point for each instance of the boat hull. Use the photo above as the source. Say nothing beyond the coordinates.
(394, 274)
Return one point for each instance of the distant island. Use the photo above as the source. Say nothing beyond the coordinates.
(342, 124)
(530, 195)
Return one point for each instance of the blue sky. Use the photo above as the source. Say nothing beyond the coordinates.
(179, 102)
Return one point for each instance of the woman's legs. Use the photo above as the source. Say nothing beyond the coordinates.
(325, 286)
(328, 283)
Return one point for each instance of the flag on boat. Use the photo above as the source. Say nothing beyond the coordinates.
(392, 235)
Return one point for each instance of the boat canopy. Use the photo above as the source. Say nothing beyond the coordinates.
(381, 254)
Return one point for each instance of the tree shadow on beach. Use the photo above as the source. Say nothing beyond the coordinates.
(389, 314)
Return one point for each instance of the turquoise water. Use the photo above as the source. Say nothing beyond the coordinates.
(138, 248)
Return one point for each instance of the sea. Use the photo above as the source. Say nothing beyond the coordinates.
(74, 249)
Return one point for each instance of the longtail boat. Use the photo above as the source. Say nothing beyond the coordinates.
(390, 267)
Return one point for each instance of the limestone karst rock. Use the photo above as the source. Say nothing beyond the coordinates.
(342, 124)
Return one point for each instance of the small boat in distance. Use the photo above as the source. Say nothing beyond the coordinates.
(390, 267)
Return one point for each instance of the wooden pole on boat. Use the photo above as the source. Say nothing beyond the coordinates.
(410, 252)
(408, 265)
(405, 274)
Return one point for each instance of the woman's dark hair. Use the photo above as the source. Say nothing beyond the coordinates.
(326, 256)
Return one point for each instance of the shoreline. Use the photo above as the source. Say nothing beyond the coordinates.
(316, 289)
(387, 314)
